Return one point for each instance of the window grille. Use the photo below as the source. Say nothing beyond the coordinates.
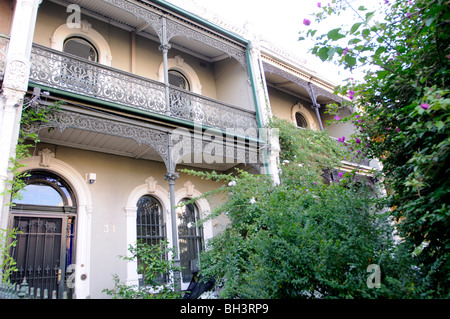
(151, 228)
(177, 79)
(300, 120)
(190, 237)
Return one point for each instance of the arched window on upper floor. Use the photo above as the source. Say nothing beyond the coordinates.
(84, 41)
(81, 47)
(178, 79)
(302, 117)
(300, 120)
(181, 74)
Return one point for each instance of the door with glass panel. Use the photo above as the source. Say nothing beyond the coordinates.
(45, 217)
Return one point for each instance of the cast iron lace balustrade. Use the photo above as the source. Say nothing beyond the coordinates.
(65, 72)
(200, 109)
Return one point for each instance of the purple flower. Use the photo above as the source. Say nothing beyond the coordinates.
(408, 15)
(351, 93)
(341, 139)
(345, 51)
(425, 106)
(340, 174)
(397, 130)
(306, 22)
(357, 140)
(319, 5)
(337, 118)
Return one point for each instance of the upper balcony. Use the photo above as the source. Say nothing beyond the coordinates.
(114, 58)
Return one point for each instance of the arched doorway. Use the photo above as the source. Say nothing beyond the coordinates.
(45, 217)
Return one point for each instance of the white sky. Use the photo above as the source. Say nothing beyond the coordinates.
(280, 21)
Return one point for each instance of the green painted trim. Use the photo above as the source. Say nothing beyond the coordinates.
(257, 110)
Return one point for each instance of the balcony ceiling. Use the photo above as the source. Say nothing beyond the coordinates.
(290, 87)
(115, 145)
(126, 20)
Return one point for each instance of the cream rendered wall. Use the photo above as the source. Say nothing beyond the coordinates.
(203, 69)
(51, 16)
(224, 80)
(233, 84)
(338, 130)
(117, 176)
(281, 104)
(148, 58)
(6, 14)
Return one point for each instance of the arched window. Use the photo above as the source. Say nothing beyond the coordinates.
(176, 78)
(150, 224)
(80, 41)
(181, 74)
(300, 120)
(81, 47)
(190, 237)
(45, 191)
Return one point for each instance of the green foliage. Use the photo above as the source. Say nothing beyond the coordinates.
(7, 263)
(31, 113)
(153, 265)
(314, 150)
(301, 238)
(404, 118)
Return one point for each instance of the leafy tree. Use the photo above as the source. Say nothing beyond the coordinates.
(403, 117)
(303, 238)
(155, 269)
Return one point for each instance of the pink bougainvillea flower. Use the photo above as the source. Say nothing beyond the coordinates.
(345, 51)
(337, 118)
(357, 140)
(340, 174)
(397, 130)
(319, 5)
(425, 106)
(306, 22)
(341, 139)
(408, 15)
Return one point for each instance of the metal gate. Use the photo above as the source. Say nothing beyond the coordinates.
(44, 252)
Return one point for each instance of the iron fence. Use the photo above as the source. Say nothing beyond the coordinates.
(23, 291)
